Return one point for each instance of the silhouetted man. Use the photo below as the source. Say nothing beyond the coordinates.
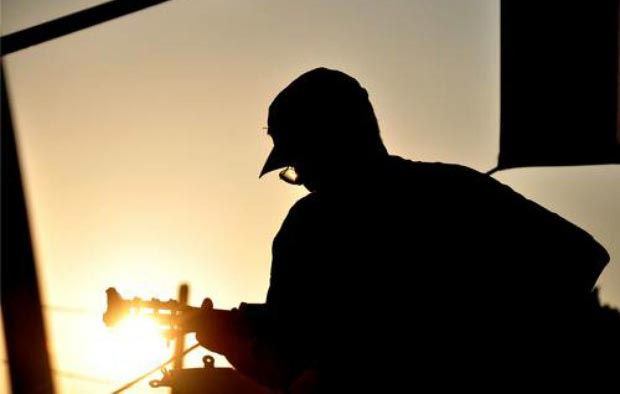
(393, 272)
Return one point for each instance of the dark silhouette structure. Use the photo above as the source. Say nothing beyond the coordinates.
(393, 273)
(24, 328)
(72, 23)
(560, 89)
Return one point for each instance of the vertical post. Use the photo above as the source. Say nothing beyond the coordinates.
(617, 73)
(560, 83)
(24, 329)
(179, 343)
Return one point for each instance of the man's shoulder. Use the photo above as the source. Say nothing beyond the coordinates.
(448, 174)
(302, 211)
(431, 167)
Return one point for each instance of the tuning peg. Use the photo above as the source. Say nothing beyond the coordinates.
(207, 303)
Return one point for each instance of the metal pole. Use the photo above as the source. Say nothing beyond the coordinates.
(24, 329)
(179, 343)
(71, 23)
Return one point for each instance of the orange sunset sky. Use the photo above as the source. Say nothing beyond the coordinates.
(141, 141)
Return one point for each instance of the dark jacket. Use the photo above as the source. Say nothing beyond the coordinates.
(424, 263)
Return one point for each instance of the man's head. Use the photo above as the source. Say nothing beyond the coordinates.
(322, 121)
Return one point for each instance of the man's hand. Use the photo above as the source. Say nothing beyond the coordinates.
(221, 331)
(231, 333)
(306, 383)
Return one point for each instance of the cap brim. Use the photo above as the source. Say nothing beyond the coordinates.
(274, 161)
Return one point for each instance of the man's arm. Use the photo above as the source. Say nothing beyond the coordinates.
(271, 343)
(242, 336)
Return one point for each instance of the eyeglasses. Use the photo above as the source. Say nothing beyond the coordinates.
(289, 175)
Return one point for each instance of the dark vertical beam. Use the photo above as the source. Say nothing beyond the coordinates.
(179, 343)
(71, 23)
(618, 72)
(560, 90)
(24, 329)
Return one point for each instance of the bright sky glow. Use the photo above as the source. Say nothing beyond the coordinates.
(141, 145)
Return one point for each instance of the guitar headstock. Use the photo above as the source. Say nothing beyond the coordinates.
(169, 314)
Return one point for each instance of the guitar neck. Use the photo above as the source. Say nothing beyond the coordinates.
(170, 314)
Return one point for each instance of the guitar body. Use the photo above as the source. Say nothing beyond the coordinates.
(208, 380)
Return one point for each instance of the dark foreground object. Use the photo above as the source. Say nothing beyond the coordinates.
(208, 380)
